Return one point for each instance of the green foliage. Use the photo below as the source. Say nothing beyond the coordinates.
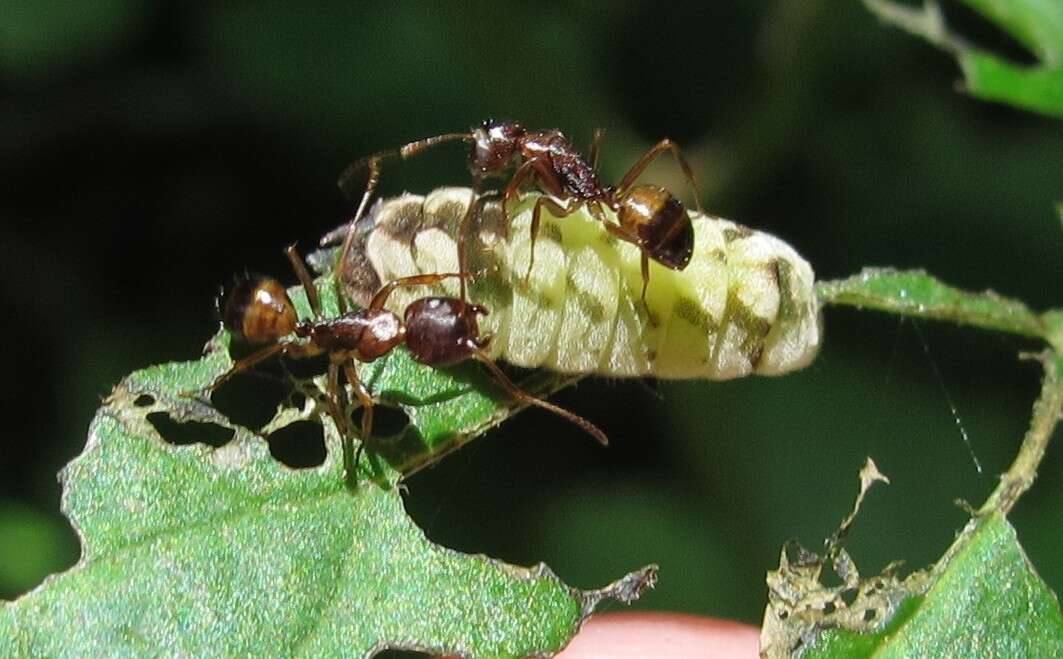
(1036, 24)
(226, 552)
(917, 294)
(800, 113)
(983, 597)
(987, 601)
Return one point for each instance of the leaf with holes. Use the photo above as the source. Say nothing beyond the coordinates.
(983, 600)
(1035, 24)
(444, 408)
(222, 551)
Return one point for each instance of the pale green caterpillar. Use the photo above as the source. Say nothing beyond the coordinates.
(745, 303)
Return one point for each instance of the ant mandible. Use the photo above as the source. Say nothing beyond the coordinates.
(438, 331)
(650, 217)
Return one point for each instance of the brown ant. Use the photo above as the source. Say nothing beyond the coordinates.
(438, 331)
(649, 216)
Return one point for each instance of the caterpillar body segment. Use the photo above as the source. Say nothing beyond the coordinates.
(745, 303)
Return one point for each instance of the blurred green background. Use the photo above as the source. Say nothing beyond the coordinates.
(149, 151)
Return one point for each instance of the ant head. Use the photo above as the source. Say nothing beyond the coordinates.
(495, 145)
(258, 310)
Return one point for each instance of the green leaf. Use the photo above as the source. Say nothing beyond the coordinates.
(1037, 24)
(993, 79)
(983, 598)
(986, 601)
(446, 407)
(915, 293)
(200, 551)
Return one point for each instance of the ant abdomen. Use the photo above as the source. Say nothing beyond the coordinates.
(744, 304)
(442, 331)
(258, 310)
(661, 223)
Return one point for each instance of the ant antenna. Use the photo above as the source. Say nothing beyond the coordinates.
(304, 278)
(372, 164)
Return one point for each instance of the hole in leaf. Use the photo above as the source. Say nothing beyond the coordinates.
(189, 432)
(297, 400)
(849, 596)
(798, 556)
(829, 608)
(831, 579)
(870, 614)
(144, 400)
(401, 654)
(250, 399)
(299, 445)
(305, 369)
(387, 421)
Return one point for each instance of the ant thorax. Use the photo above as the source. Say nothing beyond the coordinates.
(367, 335)
(744, 304)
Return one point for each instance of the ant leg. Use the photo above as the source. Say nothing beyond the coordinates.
(618, 231)
(304, 278)
(648, 157)
(595, 209)
(381, 297)
(337, 410)
(558, 211)
(370, 188)
(623, 234)
(332, 400)
(366, 402)
(645, 278)
(596, 147)
(525, 397)
(525, 170)
(463, 231)
(248, 362)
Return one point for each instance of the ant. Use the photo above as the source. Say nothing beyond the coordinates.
(649, 216)
(438, 331)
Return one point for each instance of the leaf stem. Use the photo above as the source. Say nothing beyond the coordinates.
(926, 21)
(1047, 411)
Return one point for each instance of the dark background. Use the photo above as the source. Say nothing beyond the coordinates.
(149, 151)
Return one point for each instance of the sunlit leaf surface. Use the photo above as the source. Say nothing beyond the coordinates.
(987, 601)
(200, 551)
(1035, 24)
